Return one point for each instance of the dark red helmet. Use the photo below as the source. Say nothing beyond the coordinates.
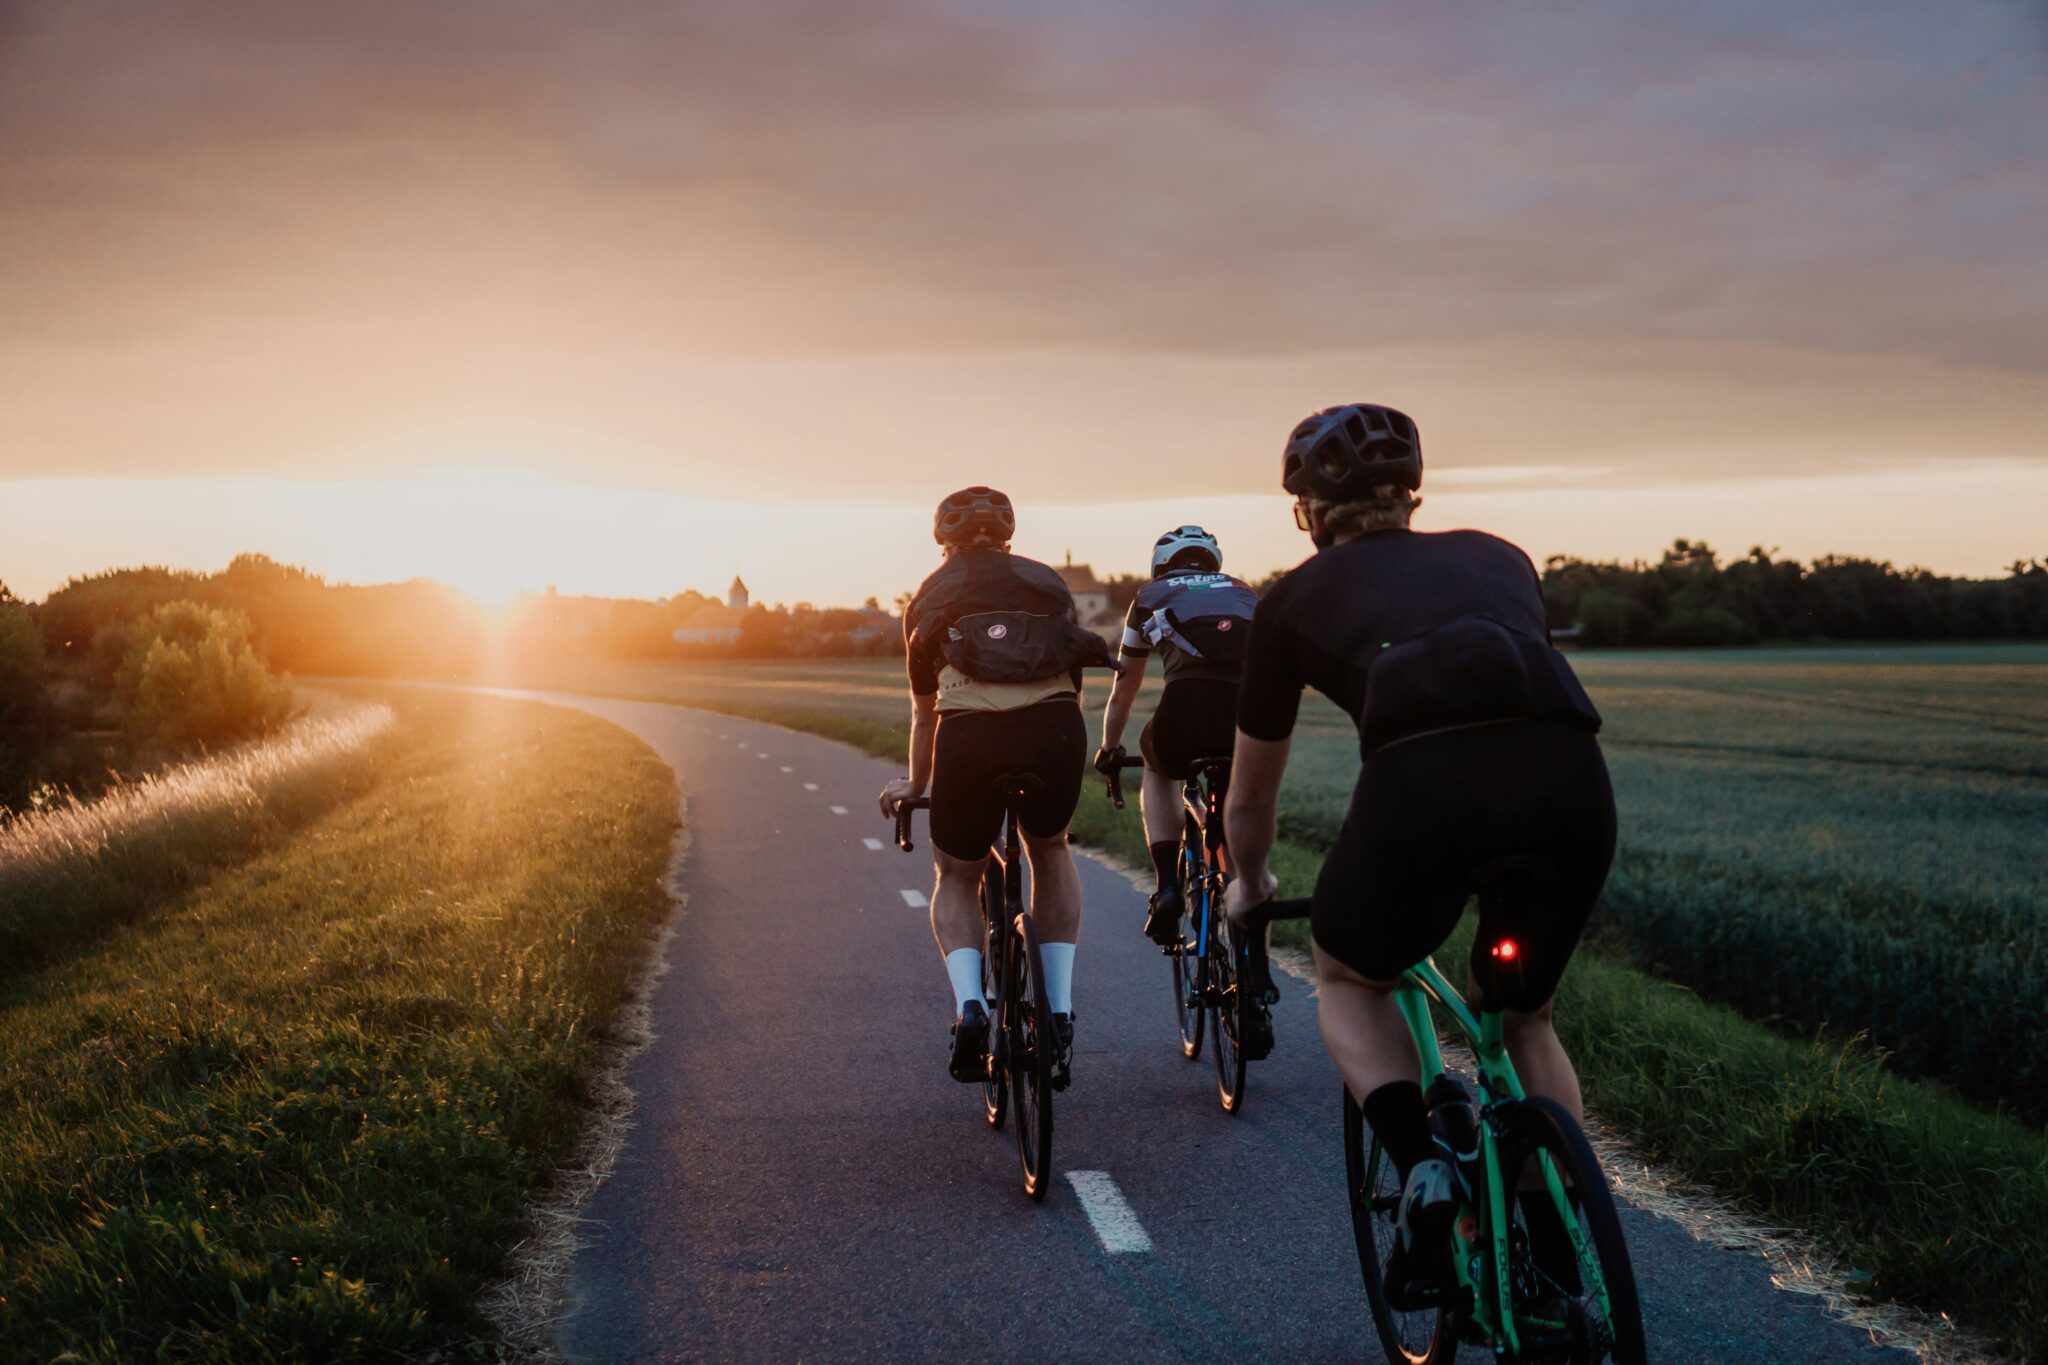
(1338, 453)
(975, 513)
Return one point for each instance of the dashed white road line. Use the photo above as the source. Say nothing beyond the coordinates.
(916, 901)
(839, 810)
(874, 845)
(786, 768)
(810, 786)
(761, 755)
(1116, 1225)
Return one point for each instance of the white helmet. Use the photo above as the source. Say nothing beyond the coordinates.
(1183, 538)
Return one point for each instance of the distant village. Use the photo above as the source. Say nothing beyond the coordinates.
(691, 623)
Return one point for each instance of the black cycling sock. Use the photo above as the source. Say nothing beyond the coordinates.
(1166, 862)
(1549, 1243)
(1400, 1121)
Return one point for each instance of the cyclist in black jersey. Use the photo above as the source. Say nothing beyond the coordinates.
(994, 658)
(1197, 617)
(1481, 774)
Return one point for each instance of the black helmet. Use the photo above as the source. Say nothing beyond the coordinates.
(1338, 453)
(975, 513)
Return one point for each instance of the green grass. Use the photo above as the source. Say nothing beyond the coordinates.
(1847, 838)
(295, 1110)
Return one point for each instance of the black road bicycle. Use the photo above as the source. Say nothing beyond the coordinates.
(1023, 1068)
(1211, 965)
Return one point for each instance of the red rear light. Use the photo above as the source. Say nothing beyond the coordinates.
(1507, 950)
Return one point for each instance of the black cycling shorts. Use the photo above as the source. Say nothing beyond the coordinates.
(974, 748)
(1519, 814)
(1197, 718)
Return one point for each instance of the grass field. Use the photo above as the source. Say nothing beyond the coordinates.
(1848, 838)
(293, 1108)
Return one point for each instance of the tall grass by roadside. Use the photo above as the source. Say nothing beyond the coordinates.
(71, 870)
(1944, 1205)
(296, 1113)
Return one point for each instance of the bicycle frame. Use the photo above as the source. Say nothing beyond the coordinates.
(1199, 801)
(1485, 1032)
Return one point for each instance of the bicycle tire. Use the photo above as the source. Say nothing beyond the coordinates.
(1374, 1189)
(1190, 980)
(1031, 1058)
(1540, 1124)
(1231, 1004)
(995, 1087)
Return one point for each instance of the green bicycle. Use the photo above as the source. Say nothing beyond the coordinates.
(1542, 1268)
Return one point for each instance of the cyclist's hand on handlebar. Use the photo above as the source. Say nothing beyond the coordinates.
(899, 789)
(1108, 760)
(1244, 894)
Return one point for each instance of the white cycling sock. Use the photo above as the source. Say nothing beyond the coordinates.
(1059, 976)
(964, 966)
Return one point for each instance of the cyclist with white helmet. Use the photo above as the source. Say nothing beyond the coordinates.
(1197, 618)
(995, 658)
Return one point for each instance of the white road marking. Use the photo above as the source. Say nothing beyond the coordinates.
(1115, 1223)
(786, 768)
(839, 810)
(761, 755)
(916, 901)
(725, 736)
(810, 786)
(874, 845)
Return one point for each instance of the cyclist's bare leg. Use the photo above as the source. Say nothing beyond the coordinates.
(1160, 798)
(1055, 889)
(956, 903)
(1363, 1028)
(1540, 1059)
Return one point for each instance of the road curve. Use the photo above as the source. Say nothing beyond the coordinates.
(803, 1182)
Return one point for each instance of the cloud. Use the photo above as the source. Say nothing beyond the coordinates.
(685, 243)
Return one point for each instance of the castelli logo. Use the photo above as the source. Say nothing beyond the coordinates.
(1223, 625)
(998, 631)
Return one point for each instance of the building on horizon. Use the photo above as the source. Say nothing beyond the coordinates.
(1091, 595)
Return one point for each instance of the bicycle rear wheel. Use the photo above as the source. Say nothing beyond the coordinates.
(1226, 989)
(1031, 1044)
(1423, 1338)
(1189, 978)
(995, 1087)
(1586, 1311)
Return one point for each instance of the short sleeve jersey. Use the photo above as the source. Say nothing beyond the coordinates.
(1326, 622)
(977, 580)
(1185, 595)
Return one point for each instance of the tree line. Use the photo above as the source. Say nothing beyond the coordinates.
(1691, 597)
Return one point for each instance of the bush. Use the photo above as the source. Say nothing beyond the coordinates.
(1608, 618)
(21, 659)
(190, 677)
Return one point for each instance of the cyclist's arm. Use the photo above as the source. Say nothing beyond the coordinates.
(1123, 694)
(1251, 811)
(924, 730)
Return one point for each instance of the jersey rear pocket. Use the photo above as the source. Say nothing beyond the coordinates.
(1468, 672)
(1016, 647)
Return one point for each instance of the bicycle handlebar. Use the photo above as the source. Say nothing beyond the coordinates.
(1259, 916)
(904, 810)
(1114, 779)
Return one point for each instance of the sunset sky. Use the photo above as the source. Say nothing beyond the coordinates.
(627, 297)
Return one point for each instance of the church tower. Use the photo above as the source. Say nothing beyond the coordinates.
(736, 595)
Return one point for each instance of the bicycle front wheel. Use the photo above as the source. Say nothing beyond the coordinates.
(1029, 1038)
(1574, 1287)
(1428, 1336)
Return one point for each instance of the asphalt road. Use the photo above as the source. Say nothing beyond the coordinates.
(805, 1183)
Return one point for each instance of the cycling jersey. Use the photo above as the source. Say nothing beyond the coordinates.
(993, 631)
(1409, 632)
(1198, 621)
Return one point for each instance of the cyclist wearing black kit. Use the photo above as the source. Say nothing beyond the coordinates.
(994, 660)
(1481, 774)
(1198, 619)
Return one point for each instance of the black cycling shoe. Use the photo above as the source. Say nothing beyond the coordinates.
(1258, 1034)
(970, 1044)
(1062, 1050)
(1418, 1275)
(1162, 919)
